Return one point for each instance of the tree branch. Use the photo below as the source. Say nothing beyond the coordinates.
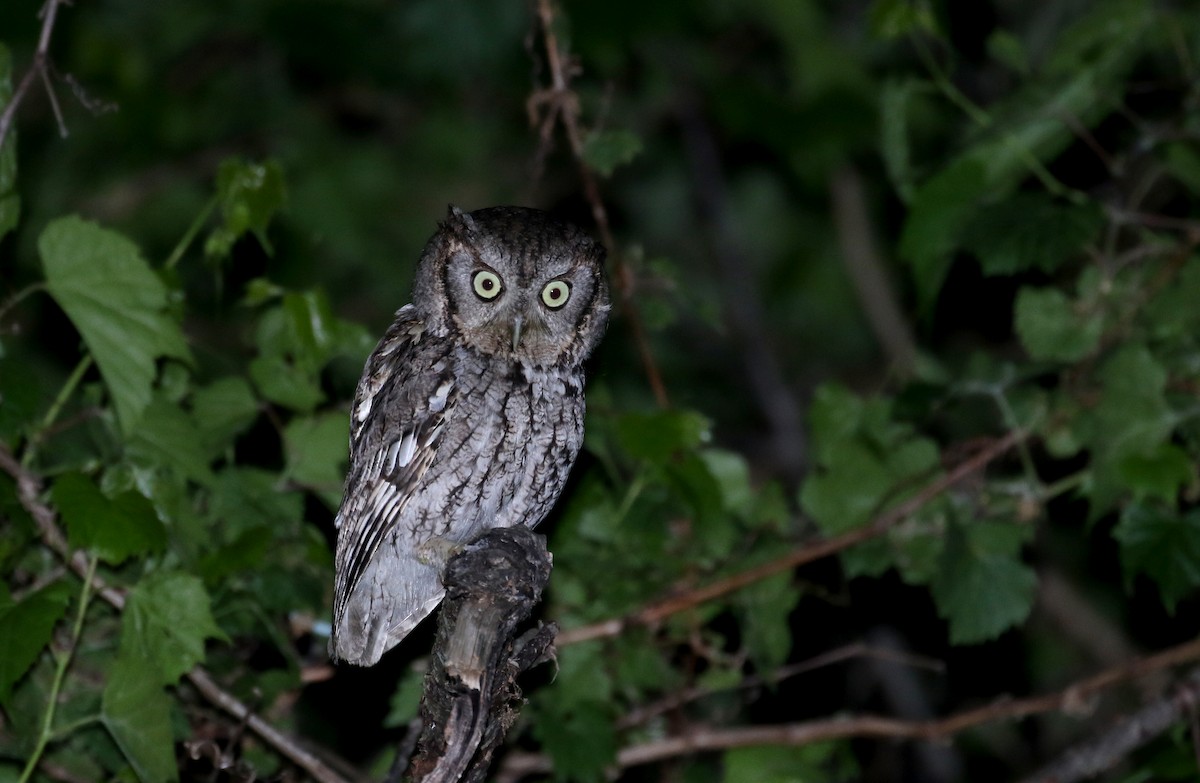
(38, 67)
(563, 105)
(29, 488)
(1104, 751)
(867, 270)
(471, 697)
(1071, 699)
(657, 611)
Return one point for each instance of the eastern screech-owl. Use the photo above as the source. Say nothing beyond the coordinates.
(469, 413)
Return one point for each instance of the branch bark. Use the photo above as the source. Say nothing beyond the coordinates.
(29, 489)
(658, 611)
(867, 271)
(39, 66)
(562, 106)
(471, 698)
(1107, 749)
(1071, 699)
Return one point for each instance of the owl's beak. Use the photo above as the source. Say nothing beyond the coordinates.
(516, 332)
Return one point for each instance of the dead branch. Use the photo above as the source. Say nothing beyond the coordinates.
(865, 266)
(562, 107)
(1072, 699)
(658, 611)
(38, 68)
(858, 650)
(471, 697)
(29, 489)
(1105, 750)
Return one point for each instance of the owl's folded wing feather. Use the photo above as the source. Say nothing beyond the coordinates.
(399, 410)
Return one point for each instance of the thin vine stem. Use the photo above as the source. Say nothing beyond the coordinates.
(984, 120)
(190, 235)
(56, 407)
(64, 660)
(16, 298)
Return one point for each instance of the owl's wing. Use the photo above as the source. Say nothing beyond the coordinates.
(400, 407)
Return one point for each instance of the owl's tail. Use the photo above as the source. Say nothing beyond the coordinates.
(393, 595)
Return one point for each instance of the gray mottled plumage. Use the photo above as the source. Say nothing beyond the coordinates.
(468, 416)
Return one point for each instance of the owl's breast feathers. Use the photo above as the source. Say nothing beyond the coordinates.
(500, 441)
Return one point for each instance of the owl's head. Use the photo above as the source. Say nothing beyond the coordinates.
(516, 284)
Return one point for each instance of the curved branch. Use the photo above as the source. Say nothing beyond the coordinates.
(563, 105)
(1070, 699)
(41, 57)
(657, 611)
(29, 488)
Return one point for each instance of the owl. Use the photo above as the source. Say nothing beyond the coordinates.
(468, 415)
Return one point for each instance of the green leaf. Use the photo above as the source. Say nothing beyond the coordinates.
(604, 151)
(246, 498)
(1160, 472)
(137, 713)
(25, 630)
(167, 617)
(1163, 545)
(118, 305)
(312, 328)
(898, 18)
(249, 195)
(1029, 231)
(10, 201)
(296, 338)
(113, 529)
(244, 553)
(941, 207)
(1006, 48)
(819, 761)
(583, 676)
(864, 460)
(282, 382)
(582, 743)
(982, 588)
(765, 608)
(656, 437)
(406, 699)
(1182, 160)
(316, 453)
(1173, 314)
(1052, 328)
(1132, 418)
(730, 475)
(894, 102)
(222, 410)
(168, 437)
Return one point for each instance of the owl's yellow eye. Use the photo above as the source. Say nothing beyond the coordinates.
(556, 293)
(486, 284)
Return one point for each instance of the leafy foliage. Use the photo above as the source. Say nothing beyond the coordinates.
(176, 366)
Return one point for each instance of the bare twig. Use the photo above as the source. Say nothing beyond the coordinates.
(562, 107)
(1105, 750)
(864, 264)
(1071, 700)
(659, 610)
(673, 701)
(28, 493)
(38, 67)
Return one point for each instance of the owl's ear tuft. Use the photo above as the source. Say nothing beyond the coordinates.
(458, 219)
